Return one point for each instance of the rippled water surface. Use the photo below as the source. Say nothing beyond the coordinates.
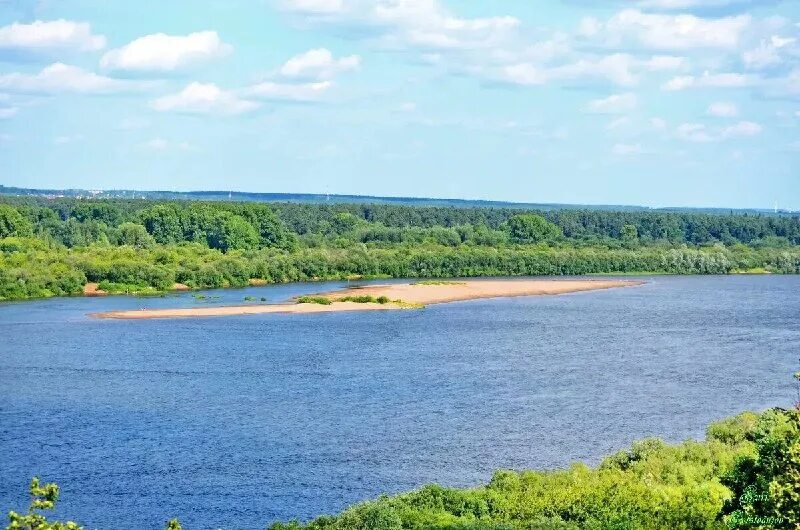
(233, 422)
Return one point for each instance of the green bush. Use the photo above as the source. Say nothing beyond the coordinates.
(359, 299)
(314, 300)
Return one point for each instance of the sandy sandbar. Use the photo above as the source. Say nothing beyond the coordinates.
(411, 294)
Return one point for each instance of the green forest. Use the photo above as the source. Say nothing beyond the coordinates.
(53, 247)
(744, 475)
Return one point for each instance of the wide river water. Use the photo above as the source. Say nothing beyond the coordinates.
(235, 422)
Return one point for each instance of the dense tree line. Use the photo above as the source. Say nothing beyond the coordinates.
(30, 268)
(55, 247)
(302, 219)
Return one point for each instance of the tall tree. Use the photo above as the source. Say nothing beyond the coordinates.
(530, 228)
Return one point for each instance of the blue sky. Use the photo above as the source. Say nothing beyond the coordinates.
(653, 102)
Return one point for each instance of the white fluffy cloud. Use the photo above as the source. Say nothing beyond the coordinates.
(667, 32)
(698, 132)
(318, 64)
(161, 52)
(723, 109)
(709, 80)
(558, 63)
(743, 128)
(619, 69)
(640, 43)
(614, 104)
(204, 98)
(301, 92)
(770, 52)
(417, 23)
(525, 74)
(60, 78)
(50, 36)
(428, 24)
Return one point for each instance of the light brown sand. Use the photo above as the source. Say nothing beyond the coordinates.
(458, 290)
(93, 289)
(408, 293)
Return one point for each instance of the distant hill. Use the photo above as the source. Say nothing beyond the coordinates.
(317, 198)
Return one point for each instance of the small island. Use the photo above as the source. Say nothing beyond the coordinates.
(387, 297)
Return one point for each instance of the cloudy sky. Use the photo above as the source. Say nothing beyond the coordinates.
(653, 102)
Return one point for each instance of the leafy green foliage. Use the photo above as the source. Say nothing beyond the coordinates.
(359, 299)
(766, 485)
(530, 228)
(231, 232)
(321, 300)
(53, 247)
(43, 497)
(164, 223)
(135, 235)
(12, 223)
(629, 233)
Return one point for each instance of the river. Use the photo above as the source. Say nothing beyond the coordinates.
(235, 422)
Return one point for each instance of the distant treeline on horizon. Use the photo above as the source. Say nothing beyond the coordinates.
(54, 246)
(317, 198)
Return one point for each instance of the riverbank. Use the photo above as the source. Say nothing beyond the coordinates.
(400, 296)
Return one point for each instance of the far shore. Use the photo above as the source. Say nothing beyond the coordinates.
(401, 296)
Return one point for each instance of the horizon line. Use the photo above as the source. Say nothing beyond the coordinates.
(44, 191)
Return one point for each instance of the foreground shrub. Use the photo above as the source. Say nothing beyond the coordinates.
(651, 486)
(43, 497)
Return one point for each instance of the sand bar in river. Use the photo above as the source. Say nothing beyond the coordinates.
(411, 294)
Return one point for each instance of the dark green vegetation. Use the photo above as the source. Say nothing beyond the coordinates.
(360, 299)
(321, 300)
(746, 472)
(53, 247)
(365, 299)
